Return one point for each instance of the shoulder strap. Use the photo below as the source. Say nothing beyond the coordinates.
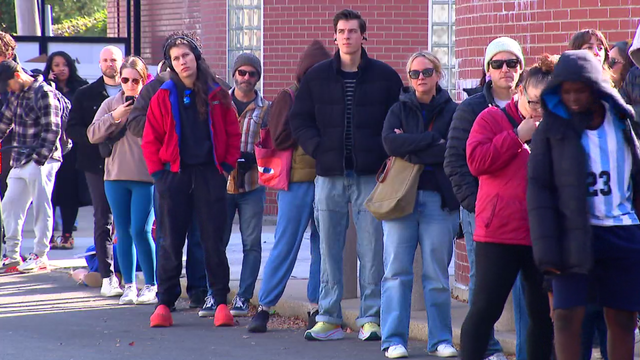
(513, 121)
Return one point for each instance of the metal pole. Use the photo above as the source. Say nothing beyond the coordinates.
(27, 17)
(129, 25)
(137, 27)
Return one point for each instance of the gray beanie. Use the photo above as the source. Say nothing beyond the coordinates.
(250, 60)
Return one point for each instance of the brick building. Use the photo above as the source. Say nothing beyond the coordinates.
(457, 31)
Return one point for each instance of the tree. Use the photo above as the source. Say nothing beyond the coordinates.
(8, 16)
(73, 9)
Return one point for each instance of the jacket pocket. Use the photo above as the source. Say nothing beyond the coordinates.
(492, 211)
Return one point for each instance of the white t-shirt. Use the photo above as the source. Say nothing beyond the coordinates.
(610, 192)
(502, 103)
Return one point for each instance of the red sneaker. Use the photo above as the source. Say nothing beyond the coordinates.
(223, 316)
(161, 317)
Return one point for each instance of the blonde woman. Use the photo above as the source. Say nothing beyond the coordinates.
(416, 129)
(128, 185)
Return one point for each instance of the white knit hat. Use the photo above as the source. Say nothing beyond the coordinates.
(499, 45)
(634, 49)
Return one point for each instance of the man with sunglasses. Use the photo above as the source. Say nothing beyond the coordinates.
(86, 103)
(503, 63)
(245, 195)
(337, 118)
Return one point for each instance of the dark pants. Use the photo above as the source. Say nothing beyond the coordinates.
(497, 267)
(102, 223)
(199, 192)
(593, 326)
(196, 273)
(69, 214)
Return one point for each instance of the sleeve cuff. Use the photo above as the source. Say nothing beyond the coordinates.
(226, 167)
(156, 175)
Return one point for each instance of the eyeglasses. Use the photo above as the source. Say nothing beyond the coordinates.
(499, 64)
(243, 73)
(187, 97)
(613, 62)
(134, 81)
(533, 105)
(415, 74)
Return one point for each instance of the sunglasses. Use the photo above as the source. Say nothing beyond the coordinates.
(613, 62)
(415, 74)
(499, 64)
(125, 80)
(243, 73)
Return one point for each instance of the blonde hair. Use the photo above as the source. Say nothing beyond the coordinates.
(136, 63)
(437, 66)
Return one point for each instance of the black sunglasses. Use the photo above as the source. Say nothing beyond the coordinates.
(415, 74)
(243, 73)
(499, 64)
(125, 80)
(613, 62)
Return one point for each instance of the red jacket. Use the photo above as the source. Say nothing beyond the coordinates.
(499, 159)
(160, 138)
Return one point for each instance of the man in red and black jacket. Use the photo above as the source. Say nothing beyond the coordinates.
(191, 142)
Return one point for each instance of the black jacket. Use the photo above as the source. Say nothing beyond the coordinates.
(318, 115)
(465, 185)
(85, 105)
(421, 146)
(557, 188)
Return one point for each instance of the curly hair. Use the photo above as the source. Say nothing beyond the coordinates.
(7, 45)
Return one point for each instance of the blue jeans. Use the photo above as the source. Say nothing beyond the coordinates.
(333, 195)
(131, 204)
(519, 307)
(196, 273)
(434, 229)
(250, 207)
(295, 214)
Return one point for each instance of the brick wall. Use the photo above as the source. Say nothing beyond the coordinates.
(540, 26)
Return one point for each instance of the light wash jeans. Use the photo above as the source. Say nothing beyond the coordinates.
(434, 229)
(295, 214)
(250, 207)
(519, 307)
(26, 184)
(333, 195)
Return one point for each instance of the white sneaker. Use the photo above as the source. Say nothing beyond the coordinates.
(129, 296)
(497, 356)
(445, 351)
(147, 295)
(111, 287)
(33, 264)
(396, 352)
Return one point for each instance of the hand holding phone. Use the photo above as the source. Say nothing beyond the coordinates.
(130, 98)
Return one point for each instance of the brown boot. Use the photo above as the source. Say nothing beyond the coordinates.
(67, 242)
(53, 243)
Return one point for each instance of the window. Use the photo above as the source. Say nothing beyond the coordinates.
(442, 40)
(245, 31)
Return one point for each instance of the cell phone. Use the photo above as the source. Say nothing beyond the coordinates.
(130, 98)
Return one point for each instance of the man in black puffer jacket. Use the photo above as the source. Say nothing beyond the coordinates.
(337, 118)
(583, 195)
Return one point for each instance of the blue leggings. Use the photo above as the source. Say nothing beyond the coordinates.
(131, 204)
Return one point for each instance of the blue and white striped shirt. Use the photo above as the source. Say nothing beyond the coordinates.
(609, 179)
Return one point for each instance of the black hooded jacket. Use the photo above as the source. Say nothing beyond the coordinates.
(465, 185)
(419, 145)
(557, 181)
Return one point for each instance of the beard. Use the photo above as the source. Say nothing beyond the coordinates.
(110, 73)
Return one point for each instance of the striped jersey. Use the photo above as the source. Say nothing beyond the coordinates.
(349, 79)
(609, 178)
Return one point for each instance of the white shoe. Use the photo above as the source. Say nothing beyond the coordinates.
(111, 287)
(637, 333)
(497, 356)
(147, 295)
(129, 296)
(396, 352)
(33, 264)
(445, 351)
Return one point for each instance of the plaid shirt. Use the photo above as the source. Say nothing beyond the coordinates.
(35, 116)
(250, 122)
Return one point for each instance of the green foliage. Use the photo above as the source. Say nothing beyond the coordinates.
(64, 10)
(95, 25)
(8, 16)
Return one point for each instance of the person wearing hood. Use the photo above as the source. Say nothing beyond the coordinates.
(631, 86)
(416, 129)
(295, 205)
(498, 153)
(587, 239)
(503, 64)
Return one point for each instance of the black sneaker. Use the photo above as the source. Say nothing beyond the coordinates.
(196, 301)
(311, 320)
(239, 306)
(259, 322)
(209, 308)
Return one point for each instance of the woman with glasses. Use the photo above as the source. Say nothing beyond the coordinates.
(128, 185)
(416, 129)
(497, 153)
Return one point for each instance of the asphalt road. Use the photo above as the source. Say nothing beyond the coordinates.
(47, 316)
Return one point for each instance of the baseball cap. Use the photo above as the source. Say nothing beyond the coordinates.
(8, 70)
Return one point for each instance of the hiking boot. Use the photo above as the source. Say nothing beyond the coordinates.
(66, 242)
(34, 263)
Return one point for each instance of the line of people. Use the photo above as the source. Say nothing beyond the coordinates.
(182, 146)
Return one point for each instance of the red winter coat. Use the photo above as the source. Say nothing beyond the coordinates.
(499, 159)
(160, 137)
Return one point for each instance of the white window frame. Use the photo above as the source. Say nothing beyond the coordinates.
(244, 48)
(448, 82)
